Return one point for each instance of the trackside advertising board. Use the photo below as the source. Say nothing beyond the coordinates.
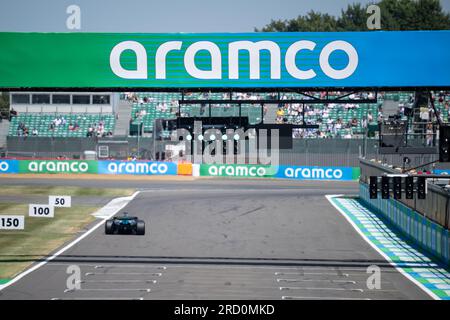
(170, 168)
(137, 167)
(57, 166)
(444, 172)
(9, 166)
(318, 173)
(240, 60)
(286, 172)
(237, 170)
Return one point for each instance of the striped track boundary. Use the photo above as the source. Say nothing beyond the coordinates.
(413, 264)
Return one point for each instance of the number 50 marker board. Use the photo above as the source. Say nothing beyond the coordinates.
(60, 201)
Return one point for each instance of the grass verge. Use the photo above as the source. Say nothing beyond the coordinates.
(20, 248)
(64, 190)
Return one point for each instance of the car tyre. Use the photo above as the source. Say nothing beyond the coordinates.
(140, 228)
(109, 227)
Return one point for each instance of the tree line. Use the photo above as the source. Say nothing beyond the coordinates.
(394, 14)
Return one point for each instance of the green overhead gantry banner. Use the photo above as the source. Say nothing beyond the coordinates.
(244, 60)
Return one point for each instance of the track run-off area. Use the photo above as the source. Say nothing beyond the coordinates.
(219, 239)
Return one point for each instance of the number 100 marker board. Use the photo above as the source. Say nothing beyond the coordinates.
(41, 211)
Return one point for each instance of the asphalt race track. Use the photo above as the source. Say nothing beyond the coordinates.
(221, 239)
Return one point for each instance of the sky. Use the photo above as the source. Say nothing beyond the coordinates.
(150, 16)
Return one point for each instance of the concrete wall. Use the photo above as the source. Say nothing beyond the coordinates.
(435, 207)
(427, 234)
(423, 221)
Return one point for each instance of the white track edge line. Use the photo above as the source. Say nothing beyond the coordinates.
(399, 269)
(74, 242)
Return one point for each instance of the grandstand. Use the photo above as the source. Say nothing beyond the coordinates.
(148, 106)
(38, 111)
(62, 114)
(73, 125)
(334, 120)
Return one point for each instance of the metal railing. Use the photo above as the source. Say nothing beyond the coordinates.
(436, 205)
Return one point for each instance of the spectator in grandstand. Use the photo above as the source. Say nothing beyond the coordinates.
(12, 113)
(57, 121)
(20, 128)
(364, 122)
(51, 127)
(34, 132)
(338, 124)
(280, 112)
(349, 106)
(347, 134)
(279, 120)
(205, 95)
(100, 130)
(90, 132)
(429, 135)
(380, 116)
(424, 114)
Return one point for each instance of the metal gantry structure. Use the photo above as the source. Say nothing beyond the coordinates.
(309, 99)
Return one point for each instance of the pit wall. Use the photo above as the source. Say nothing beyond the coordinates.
(14, 166)
(425, 233)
